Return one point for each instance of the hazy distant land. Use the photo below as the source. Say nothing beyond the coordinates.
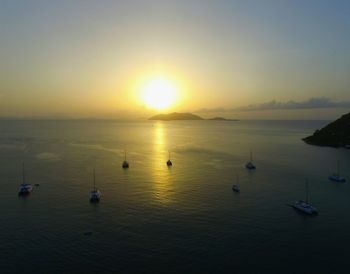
(222, 119)
(184, 116)
(335, 134)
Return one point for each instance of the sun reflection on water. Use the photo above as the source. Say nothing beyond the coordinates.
(161, 174)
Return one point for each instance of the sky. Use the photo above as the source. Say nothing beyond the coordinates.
(272, 59)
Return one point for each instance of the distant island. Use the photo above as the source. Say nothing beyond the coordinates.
(335, 134)
(176, 116)
(184, 116)
(222, 119)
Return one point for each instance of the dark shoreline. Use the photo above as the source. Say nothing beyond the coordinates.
(335, 134)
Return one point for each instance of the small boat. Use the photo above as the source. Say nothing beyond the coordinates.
(24, 188)
(125, 163)
(95, 194)
(236, 188)
(88, 233)
(305, 206)
(169, 163)
(336, 177)
(250, 164)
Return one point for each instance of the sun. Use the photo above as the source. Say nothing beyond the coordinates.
(159, 93)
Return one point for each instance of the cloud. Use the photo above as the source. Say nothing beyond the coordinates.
(321, 102)
(13, 145)
(317, 102)
(47, 156)
(213, 110)
(8, 146)
(97, 147)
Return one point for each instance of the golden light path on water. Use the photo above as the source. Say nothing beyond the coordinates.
(161, 173)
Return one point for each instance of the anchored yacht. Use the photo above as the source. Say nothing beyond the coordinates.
(336, 177)
(305, 206)
(24, 188)
(125, 163)
(169, 163)
(250, 164)
(236, 187)
(95, 194)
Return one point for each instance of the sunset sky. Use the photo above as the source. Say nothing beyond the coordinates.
(113, 59)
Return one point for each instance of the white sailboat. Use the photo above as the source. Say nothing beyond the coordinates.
(24, 188)
(250, 164)
(125, 163)
(95, 194)
(169, 163)
(336, 177)
(305, 206)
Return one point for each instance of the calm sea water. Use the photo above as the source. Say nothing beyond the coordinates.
(152, 219)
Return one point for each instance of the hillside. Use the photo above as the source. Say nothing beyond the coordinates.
(335, 134)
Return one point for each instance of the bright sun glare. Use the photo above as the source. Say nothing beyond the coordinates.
(159, 93)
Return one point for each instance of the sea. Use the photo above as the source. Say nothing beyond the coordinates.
(182, 219)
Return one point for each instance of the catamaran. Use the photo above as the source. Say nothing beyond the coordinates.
(305, 206)
(336, 176)
(169, 163)
(250, 164)
(125, 163)
(24, 188)
(95, 194)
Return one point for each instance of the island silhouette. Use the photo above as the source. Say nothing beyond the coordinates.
(184, 116)
(335, 134)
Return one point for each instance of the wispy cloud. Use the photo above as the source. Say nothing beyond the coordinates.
(48, 156)
(312, 103)
(322, 102)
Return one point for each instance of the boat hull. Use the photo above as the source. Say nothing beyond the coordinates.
(250, 166)
(25, 189)
(235, 188)
(305, 208)
(336, 178)
(95, 196)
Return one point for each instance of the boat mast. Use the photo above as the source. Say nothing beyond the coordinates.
(94, 181)
(169, 154)
(124, 155)
(338, 168)
(251, 156)
(307, 191)
(23, 175)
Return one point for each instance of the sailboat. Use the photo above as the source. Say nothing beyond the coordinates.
(336, 176)
(305, 206)
(236, 188)
(250, 164)
(125, 163)
(24, 188)
(95, 194)
(169, 163)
